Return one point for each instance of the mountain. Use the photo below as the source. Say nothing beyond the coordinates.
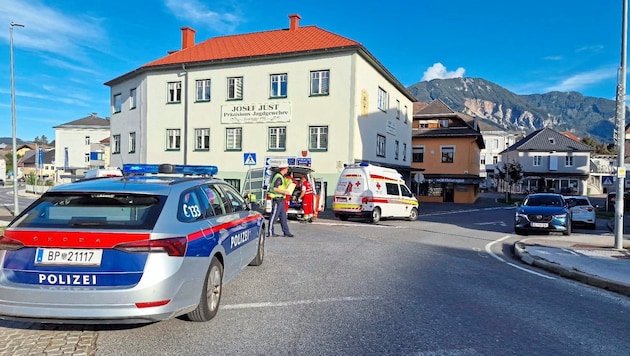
(9, 141)
(562, 111)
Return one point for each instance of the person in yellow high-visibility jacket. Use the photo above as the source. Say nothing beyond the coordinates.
(277, 193)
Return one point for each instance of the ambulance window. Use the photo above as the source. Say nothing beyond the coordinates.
(405, 191)
(392, 189)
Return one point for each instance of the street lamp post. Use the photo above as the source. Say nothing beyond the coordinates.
(621, 131)
(16, 209)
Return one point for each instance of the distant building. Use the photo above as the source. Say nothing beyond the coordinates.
(73, 142)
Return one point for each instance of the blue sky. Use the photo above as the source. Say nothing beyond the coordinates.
(69, 48)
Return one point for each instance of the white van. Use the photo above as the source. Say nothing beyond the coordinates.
(373, 192)
(256, 184)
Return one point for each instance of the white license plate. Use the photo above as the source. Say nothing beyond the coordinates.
(68, 257)
(540, 224)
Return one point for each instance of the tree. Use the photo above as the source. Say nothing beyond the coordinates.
(511, 173)
(44, 140)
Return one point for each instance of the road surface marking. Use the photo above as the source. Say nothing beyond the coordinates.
(489, 251)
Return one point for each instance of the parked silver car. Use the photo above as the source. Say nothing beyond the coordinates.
(131, 249)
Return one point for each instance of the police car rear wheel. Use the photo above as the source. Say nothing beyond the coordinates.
(376, 215)
(260, 254)
(413, 216)
(211, 293)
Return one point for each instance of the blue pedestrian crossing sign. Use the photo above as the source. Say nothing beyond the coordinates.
(608, 180)
(249, 159)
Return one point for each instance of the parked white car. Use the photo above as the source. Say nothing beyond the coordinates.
(582, 211)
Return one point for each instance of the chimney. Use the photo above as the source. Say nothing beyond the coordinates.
(188, 37)
(294, 22)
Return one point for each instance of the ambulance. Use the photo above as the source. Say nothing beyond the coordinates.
(372, 192)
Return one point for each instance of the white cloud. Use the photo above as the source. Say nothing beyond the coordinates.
(198, 13)
(438, 71)
(48, 30)
(580, 81)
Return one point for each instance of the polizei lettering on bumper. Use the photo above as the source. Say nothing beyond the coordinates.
(67, 279)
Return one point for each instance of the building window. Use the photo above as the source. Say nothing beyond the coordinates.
(117, 103)
(173, 139)
(132, 142)
(277, 138)
(202, 139)
(278, 85)
(203, 90)
(396, 146)
(398, 109)
(405, 114)
(233, 138)
(87, 140)
(133, 101)
(116, 145)
(380, 145)
(318, 138)
(404, 152)
(382, 99)
(235, 88)
(537, 160)
(483, 159)
(86, 158)
(443, 123)
(417, 154)
(448, 153)
(495, 159)
(174, 93)
(320, 81)
(568, 161)
(423, 125)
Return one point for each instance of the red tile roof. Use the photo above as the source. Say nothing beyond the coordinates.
(300, 39)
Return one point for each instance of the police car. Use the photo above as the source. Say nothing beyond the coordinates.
(156, 243)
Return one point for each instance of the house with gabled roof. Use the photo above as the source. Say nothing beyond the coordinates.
(446, 148)
(300, 93)
(551, 162)
(73, 140)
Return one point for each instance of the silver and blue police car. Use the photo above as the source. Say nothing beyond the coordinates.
(156, 243)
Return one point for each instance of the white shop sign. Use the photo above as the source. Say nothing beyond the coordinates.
(256, 113)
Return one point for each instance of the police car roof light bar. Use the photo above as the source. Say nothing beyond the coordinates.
(170, 169)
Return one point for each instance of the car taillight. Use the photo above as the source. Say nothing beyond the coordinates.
(175, 246)
(587, 208)
(157, 303)
(10, 244)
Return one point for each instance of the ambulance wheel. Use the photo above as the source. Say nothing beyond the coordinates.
(260, 251)
(343, 217)
(376, 215)
(413, 216)
(211, 293)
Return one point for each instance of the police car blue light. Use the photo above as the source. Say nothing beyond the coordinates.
(170, 169)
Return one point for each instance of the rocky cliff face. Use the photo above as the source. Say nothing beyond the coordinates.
(573, 112)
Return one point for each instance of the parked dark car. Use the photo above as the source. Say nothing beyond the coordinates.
(543, 212)
(1, 182)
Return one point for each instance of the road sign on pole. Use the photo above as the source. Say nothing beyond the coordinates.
(249, 159)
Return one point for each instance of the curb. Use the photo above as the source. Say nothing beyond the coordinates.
(595, 281)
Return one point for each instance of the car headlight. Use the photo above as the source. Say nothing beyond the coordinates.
(520, 215)
(561, 216)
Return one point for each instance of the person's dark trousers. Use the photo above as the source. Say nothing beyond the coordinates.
(278, 209)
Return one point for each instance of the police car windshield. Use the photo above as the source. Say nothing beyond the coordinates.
(98, 211)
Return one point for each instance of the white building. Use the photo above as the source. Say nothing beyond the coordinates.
(73, 140)
(296, 92)
(496, 141)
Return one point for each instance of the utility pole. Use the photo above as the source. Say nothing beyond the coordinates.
(16, 209)
(621, 132)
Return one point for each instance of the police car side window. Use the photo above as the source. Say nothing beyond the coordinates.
(215, 200)
(189, 207)
(237, 202)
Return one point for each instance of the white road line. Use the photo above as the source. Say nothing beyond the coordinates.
(296, 302)
(489, 251)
